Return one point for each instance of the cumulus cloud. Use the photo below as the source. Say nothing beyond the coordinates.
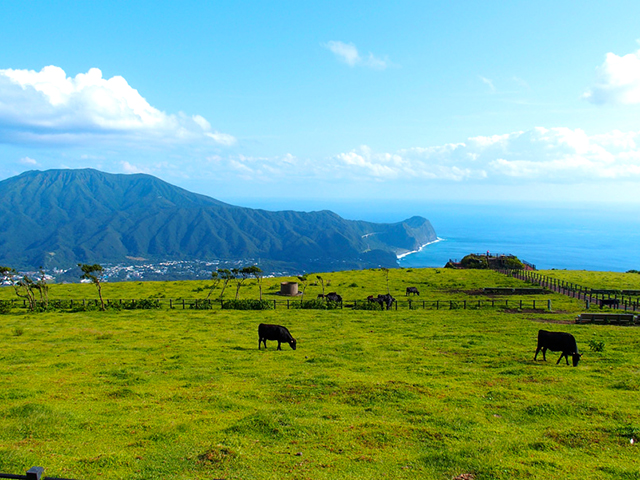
(556, 155)
(50, 107)
(540, 155)
(617, 80)
(348, 53)
(28, 161)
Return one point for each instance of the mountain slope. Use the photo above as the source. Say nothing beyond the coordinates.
(58, 218)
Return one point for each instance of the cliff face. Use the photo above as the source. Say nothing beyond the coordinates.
(58, 218)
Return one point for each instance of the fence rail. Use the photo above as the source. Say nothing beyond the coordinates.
(627, 300)
(34, 473)
(294, 303)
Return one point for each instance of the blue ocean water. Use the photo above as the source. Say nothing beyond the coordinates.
(577, 238)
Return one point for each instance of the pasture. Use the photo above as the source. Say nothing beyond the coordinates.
(186, 394)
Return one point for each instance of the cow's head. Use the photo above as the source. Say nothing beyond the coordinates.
(576, 358)
(293, 343)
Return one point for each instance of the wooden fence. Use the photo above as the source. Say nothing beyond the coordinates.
(627, 300)
(34, 473)
(287, 304)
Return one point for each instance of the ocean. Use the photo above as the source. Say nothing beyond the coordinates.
(603, 237)
(577, 238)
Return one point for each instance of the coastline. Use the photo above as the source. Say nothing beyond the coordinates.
(402, 255)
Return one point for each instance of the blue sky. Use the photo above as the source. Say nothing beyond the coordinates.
(304, 104)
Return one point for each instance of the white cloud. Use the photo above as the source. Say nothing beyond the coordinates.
(540, 155)
(28, 161)
(487, 82)
(617, 80)
(556, 155)
(348, 53)
(49, 107)
(129, 168)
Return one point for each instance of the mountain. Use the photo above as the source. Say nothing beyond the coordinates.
(58, 218)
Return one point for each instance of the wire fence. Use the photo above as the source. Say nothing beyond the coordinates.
(617, 299)
(34, 473)
(293, 303)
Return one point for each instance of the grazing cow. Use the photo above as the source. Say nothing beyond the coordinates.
(412, 290)
(274, 332)
(382, 300)
(558, 342)
(609, 302)
(321, 295)
(333, 297)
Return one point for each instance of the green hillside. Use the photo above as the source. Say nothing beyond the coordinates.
(176, 394)
(59, 218)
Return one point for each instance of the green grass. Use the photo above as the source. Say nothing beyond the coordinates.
(399, 394)
(597, 280)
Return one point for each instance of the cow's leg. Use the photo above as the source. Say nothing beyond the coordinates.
(535, 357)
(565, 357)
(279, 345)
(544, 353)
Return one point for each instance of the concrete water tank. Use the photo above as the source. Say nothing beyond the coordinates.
(289, 288)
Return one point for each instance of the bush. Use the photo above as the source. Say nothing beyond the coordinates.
(368, 306)
(512, 263)
(596, 345)
(202, 305)
(247, 305)
(475, 262)
(5, 306)
(316, 305)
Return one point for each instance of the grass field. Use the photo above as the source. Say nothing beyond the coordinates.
(184, 394)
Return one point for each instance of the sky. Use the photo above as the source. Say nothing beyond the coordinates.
(297, 105)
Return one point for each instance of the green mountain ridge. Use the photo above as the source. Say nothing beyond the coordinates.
(57, 218)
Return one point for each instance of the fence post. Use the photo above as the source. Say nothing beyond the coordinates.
(549, 304)
(274, 304)
(34, 473)
(287, 304)
(437, 304)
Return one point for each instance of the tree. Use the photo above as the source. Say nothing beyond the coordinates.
(304, 280)
(215, 277)
(95, 274)
(226, 276)
(321, 283)
(24, 287)
(43, 288)
(386, 275)
(256, 272)
(241, 275)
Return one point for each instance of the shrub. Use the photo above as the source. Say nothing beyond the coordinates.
(475, 262)
(5, 306)
(316, 304)
(17, 331)
(596, 345)
(368, 306)
(247, 305)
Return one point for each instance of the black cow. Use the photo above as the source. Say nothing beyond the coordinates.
(386, 299)
(413, 290)
(274, 332)
(558, 342)
(333, 297)
(610, 302)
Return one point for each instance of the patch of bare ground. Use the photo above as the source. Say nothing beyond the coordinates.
(533, 310)
(465, 476)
